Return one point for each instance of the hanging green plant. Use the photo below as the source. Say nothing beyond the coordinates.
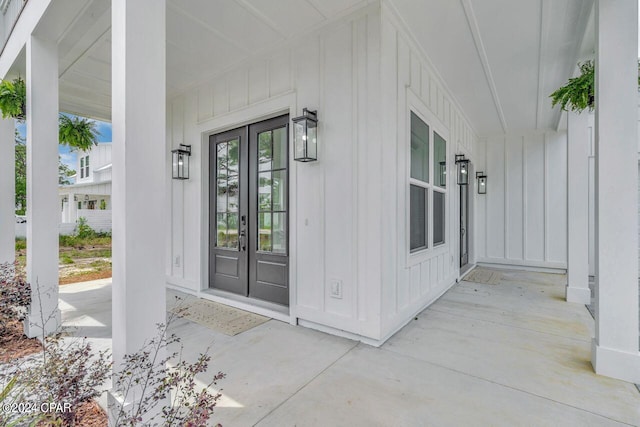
(13, 95)
(579, 92)
(78, 133)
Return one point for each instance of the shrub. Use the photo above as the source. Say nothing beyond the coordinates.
(21, 243)
(84, 230)
(150, 381)
(15, 294)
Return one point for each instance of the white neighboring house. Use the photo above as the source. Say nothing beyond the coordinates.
(90, 196)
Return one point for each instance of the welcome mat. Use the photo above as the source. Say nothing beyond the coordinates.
(219, 317)
(483, 275)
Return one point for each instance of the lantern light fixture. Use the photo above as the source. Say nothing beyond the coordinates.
(463, 169)
(305, 133)
(180, 159)
(443, 174)
(482, 182)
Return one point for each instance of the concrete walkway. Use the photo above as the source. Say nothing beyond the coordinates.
(506, 354)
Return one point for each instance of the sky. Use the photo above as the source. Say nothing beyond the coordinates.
(69, 157)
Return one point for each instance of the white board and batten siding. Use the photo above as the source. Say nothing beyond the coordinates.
(411, 282)
(334, 203)
(522, 220)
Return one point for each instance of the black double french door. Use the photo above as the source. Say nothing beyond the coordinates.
(249, 211)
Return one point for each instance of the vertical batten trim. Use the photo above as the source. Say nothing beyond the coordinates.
(506, 198)
(355, 120)
(321, 86)
(524, 198)
(545, 202)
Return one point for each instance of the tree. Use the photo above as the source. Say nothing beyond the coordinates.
(64, 173)
(21, 174)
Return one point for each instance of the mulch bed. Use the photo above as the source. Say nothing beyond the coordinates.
(85, 277)
(14, 345)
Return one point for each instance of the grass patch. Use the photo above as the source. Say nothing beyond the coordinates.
(83, 242)
(21, 243)
(66, 259)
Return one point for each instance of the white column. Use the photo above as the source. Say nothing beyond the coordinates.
(139, 209)
(615, 346)
(72, 208)
(578, 208)
(43, 214)
(7, 192)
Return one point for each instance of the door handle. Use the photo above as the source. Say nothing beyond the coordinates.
(243, 240)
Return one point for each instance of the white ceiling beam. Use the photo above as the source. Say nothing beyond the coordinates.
(261, 16)
(583, 28)
(482, 54)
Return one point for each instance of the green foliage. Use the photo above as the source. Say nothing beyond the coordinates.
(64, 173)
(579, 92)
(21, 243)
(66, 259)
(99, 239)
(103, 205)
(84, 230)
(13, 95)
(79, 133)
(21, 174)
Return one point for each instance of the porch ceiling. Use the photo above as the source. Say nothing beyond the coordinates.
(502, 58)
(204, 38)
(499, 58)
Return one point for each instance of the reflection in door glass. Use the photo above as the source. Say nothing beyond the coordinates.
(227, 195)
(272, 191)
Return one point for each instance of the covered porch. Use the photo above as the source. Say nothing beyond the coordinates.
(168, 73)
(507, 352)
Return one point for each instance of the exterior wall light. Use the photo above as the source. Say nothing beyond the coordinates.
(463, 169)
(180, 159)
(443, 174)
(305, 132)
(482, 182)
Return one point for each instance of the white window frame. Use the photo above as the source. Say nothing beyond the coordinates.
(417, 106)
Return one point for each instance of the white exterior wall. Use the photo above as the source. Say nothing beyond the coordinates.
(411, 282)
(100, 155)
(521, 220)
(334, 203)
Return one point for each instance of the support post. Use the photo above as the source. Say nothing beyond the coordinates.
(578, 208)
(615, 346)
(138, 194)
(7, 192)
(43, 214)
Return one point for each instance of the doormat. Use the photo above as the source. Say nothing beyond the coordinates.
(483, 275)
(219, 317)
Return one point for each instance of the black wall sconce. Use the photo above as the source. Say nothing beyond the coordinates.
(305, 133)
(443, 174)
(463, 169)
(482, 182)
(180, 159)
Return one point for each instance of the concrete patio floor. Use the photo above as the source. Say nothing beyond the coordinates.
(513, 353)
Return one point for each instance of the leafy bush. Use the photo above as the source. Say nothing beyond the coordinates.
(150, 381)
(69, 372)
(15, 294)
(84, 230)
(21, 243)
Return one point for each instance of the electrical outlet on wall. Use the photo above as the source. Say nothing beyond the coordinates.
(177, 261)
(335, 288)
